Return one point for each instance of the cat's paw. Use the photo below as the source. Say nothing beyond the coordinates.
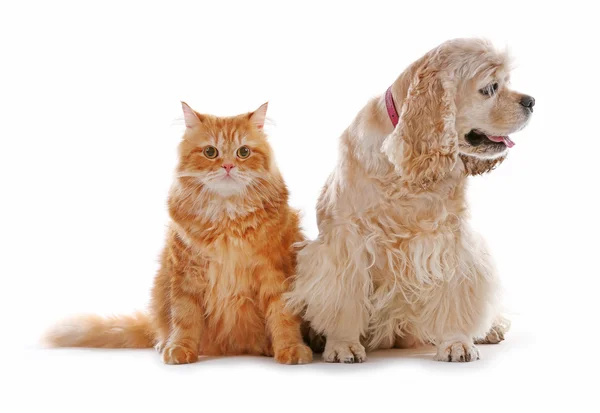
(159, 346)
(179, 353)
(268, 351)
(344, 352)
(457, 351)
(296, 354)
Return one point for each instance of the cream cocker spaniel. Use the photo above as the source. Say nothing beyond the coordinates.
(396, 263)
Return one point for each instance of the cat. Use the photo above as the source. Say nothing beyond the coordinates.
(228, 257)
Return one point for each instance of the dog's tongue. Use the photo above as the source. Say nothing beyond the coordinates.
(504, 139)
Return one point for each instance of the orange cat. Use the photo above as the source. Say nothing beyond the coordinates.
(227, 260)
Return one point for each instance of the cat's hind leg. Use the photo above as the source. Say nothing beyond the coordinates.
(160, 308)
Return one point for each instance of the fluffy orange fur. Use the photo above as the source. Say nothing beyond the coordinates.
(227, 260)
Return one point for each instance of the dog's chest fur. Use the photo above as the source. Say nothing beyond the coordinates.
(409, 213)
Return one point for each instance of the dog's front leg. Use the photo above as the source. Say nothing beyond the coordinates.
(343, 341)
(344, 330)
(331, 291)
(464, 312)
(458, 348)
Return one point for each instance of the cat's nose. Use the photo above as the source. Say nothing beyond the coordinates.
(228, 166)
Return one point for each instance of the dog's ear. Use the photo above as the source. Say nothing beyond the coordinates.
(424, 145)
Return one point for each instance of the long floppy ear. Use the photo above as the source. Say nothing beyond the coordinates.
(424, 145)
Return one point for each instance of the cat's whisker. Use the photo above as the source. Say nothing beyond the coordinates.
(187, 174)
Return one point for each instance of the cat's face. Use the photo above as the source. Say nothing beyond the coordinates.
(224, 155)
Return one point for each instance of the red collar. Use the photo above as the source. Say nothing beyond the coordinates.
(391, 107)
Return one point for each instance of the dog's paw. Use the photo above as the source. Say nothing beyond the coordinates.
(179, 353)
(344, 352)
(457, 351)
(296, 354)
(494, 336)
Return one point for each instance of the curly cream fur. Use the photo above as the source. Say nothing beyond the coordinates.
(395, 260)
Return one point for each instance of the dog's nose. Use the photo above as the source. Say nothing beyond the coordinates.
(528, 102)
(228, 166)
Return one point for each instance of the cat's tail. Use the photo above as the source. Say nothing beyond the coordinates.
(133, 331)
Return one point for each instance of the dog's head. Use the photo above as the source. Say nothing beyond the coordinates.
(456, 103)
(487, 110)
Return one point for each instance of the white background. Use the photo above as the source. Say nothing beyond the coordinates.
(89, 123)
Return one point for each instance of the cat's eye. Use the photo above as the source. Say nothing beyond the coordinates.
(243, 152)
(211, 152)
(489, 90)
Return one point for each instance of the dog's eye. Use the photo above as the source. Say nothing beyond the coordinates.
(489, 90)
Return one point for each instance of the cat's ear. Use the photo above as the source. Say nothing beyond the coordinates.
(257, 118)
(190, 116)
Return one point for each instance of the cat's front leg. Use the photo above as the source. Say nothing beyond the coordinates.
(187, 322)
(288, 346)
(283, 326)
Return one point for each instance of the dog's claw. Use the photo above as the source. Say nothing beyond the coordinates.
(457, 352)
(344, 352)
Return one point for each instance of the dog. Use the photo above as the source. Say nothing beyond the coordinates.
(396, 263)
